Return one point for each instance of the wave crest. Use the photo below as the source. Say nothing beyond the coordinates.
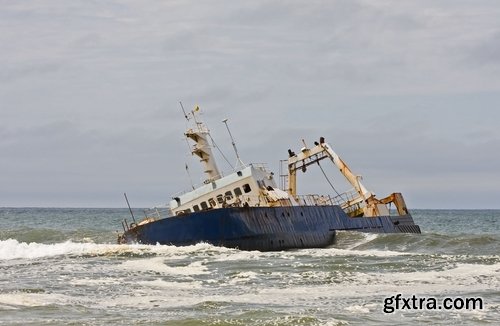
(11, 249)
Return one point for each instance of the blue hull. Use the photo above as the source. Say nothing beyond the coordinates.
(264, 228)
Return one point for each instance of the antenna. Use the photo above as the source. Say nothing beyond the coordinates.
(239, 162)
(130, 209)
(184, 111)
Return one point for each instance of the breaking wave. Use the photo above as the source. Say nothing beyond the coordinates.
(13, 249)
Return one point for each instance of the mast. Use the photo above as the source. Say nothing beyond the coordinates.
(200, 135)
(239, 162)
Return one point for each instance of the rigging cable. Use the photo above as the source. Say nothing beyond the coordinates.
(187, 167)
(220, 151)
(326, 177)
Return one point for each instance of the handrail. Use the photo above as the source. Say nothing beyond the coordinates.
(348, 201)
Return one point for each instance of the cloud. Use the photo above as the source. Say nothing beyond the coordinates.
(407, 92)
(487, 51)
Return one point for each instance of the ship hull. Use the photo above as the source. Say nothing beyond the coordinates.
(264, 228)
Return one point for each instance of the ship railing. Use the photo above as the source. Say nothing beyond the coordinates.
(157, 212)
(348, 200)
(314, 200)
(258, 201)
(345, 198)
(301, 200)
(259, 166)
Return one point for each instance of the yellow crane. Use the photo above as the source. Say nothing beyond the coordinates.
(364, 203)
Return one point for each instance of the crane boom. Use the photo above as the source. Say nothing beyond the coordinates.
(322, 150)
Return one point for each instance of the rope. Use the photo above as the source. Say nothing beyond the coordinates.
(220, 151)
(326, 177)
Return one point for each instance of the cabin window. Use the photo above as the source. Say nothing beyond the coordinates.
(228, 195)
(196, 208)
(204, 205)
(220, 199)
(239, 173)
(237, 191)
(211, 202)
(246, 188)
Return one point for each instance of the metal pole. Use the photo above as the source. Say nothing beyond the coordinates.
(130, 209)
(184, 111)
(234, 145)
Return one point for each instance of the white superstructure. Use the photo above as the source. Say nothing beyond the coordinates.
(200, 134)
(251, 185)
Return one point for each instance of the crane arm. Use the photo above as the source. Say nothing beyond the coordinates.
(354, 180)
(322, 150)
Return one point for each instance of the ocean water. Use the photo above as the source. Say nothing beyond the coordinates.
(63, 267)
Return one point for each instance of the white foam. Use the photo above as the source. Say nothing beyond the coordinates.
(365, 238)
(334, 252)
(159, 265)
(201, 248)
(459, 278)
(162, 284)
(237, 255)
(247, 275)
(243, 277)
(16, 300)
(97, 281)
(13, 249)
(334, 322)
(460, 275)
(358, 309)
(240, 255)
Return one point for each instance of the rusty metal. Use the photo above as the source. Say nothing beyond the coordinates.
(364, 203)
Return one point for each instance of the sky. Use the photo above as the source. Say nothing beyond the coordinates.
(406, 92)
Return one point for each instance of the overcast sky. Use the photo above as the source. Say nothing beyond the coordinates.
(407, 92)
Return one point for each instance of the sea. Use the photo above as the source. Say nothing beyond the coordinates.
(63, 266)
